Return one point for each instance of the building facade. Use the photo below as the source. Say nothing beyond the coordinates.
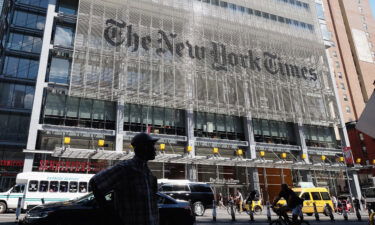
(351, 25)
(239, 92)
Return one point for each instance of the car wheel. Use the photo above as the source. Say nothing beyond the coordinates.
(309, 214)
(198, 209)
(257, 210)
(3, 207)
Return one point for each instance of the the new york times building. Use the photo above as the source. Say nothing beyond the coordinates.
(239, 92)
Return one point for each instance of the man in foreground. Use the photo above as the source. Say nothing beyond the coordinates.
(133, 184)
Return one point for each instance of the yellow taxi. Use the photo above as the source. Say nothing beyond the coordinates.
(318, 195)
(256, 205)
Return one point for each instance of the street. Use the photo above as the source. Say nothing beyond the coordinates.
(243, 218)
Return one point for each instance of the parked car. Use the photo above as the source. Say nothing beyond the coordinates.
(199, 194)
(84, 211)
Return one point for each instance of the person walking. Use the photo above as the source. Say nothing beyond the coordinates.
(133, 185)
(239, 200)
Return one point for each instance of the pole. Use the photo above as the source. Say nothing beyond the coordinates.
(268, 212)
(316, 212)
(18, 210)
(214, 210)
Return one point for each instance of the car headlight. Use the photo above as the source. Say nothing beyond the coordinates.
(37, 215)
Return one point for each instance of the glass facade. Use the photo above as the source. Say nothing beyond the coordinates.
(14, 127)
(26, 43)
(64, 36)
(318, 136)
(59, 70)
(37, 3)
(21, 68)
(218, 126)
(72, 111)
(277, 132)
(28, 20)
(159, 120)
(16, 96)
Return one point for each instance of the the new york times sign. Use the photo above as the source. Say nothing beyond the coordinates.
(119, 33)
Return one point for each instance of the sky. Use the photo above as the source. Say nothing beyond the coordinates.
(372, 2)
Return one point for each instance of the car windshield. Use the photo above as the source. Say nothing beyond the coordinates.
(85, 198)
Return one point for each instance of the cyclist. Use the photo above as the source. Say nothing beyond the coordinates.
(294, 203)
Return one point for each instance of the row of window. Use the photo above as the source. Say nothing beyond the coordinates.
(16, 96)
(72, 111)
(270, 131)
(297, 3)
(318, 136)
(20, 68)
(29, 20)
(264, 15)
(57, 186)
(24, 42)
(159, 120)
(218, 126)
(14, 127)
(38, 3)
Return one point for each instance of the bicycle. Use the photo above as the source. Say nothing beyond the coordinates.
(235, 208)
(282, 221)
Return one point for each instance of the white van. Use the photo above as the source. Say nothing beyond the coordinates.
(51, 187)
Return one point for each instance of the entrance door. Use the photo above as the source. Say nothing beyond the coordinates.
(16, 192)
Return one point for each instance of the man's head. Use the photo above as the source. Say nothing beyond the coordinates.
(144, 146)
(284, 187)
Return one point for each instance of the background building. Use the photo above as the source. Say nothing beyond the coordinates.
(240, 94)
(352, 27)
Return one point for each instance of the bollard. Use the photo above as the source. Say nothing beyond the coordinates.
(42, 200)
(330, 212)
(18, 210)
(358, 214)
(251, 211)
(214, 211)
(316, 212)
(268, 212)
(345, 213)
(232, 212)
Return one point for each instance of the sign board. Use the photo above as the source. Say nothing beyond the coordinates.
(195, 55)
(366, 122)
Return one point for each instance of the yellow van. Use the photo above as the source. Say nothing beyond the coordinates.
(256, 206)
(317, 195)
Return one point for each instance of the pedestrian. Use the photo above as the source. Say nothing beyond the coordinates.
(220, 200)
(334, 201)
(239, 200)
(133, 184)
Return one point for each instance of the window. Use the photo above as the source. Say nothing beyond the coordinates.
(337, 64)
(361, 137)
(320, 11)
(306, 196)
(59, 70)
(68, 7)
(16, 95)
(29, 20)
(200, 188)
(43, 187)
(33, 186)
(316, 196)
(166, 188)
(224, 4)
(64, 36)
(266, 15)
(215, 2)
(82, 187)
(63, 186)
(14, 127)
(39, 3)
(233, 6)
(23, 42)
(54, 186)
(347, 109)
(342, 86)
(345, 97)
(364, 149)
(325, 196)
(249, 11)
(73, 186)
(258, 13)
(339, 74)
(19, 188)
(273, 17)
(180, 188)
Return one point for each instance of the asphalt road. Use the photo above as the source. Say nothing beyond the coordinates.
(223, 218)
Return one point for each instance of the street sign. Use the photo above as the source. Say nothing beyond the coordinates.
(366, 122)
